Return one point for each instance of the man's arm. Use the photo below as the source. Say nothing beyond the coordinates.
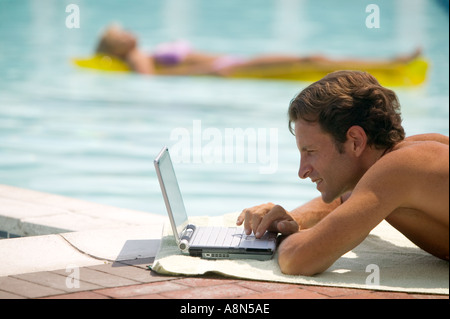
(310, 213)
(275, 218)
(385, 187)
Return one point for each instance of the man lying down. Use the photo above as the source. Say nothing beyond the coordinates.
(352, 145)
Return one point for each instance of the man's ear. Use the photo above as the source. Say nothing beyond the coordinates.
(357, 139)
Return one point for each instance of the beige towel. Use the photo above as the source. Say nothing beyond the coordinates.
(385, 260)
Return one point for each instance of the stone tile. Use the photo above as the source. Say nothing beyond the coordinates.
(101, 278)
(293, 293)
(39, 253)
(142, 289)
(210, 292)
(264, 286)
(150, 296)
(64, 222)
(57, 281)
(79, 295)
(123, 242)
(130, 272)
(26, 289)
(138, 262)
(203, 282)
(335, 291)
(421, 296)
(9, 295)
(377, 295)
(20, 209)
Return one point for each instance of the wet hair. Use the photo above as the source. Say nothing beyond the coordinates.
(346, 98)
(110, 44)
(105, 45)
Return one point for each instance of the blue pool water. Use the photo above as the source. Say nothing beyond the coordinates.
(93, 135)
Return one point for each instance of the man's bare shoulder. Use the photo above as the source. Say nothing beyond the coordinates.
(418, 154)
(415, 164)
(430, 137)
(422, 149)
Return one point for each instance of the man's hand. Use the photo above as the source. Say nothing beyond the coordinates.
(269, 217)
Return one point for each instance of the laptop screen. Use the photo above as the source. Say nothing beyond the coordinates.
(171, 191)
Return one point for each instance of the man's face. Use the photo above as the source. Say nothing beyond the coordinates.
(333, 172)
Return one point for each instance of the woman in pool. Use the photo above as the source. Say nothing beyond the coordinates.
(178, 58)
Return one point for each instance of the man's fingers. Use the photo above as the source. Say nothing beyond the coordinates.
(248, 222)
(252, 221)
(270, 221)
(241, 218)
(287, 227)
(256, 218)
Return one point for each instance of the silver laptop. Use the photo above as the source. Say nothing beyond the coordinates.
(206, 242)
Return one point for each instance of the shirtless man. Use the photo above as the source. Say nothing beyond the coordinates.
(352, 145)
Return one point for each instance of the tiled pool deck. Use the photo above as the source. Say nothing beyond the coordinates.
(108, 257)
(133, 279)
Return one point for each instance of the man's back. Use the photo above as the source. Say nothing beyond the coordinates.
(424, 215)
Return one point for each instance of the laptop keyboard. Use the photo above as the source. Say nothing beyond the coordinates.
(225, 237)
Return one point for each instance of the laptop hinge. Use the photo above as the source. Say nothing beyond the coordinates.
(188, 232)
(186, 236)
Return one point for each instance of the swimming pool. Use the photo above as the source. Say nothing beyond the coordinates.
(94, 135)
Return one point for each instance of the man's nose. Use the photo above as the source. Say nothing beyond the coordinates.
(304, 170)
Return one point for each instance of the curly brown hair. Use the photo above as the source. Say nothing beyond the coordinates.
(346, 98)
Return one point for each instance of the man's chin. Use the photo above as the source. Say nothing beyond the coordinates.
(327, 198)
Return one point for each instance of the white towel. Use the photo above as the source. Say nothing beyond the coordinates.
(385, 260)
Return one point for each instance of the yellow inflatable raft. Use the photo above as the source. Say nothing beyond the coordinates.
(390, 74)
(103, 63)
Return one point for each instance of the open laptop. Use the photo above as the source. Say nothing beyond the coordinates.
(206, 242)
